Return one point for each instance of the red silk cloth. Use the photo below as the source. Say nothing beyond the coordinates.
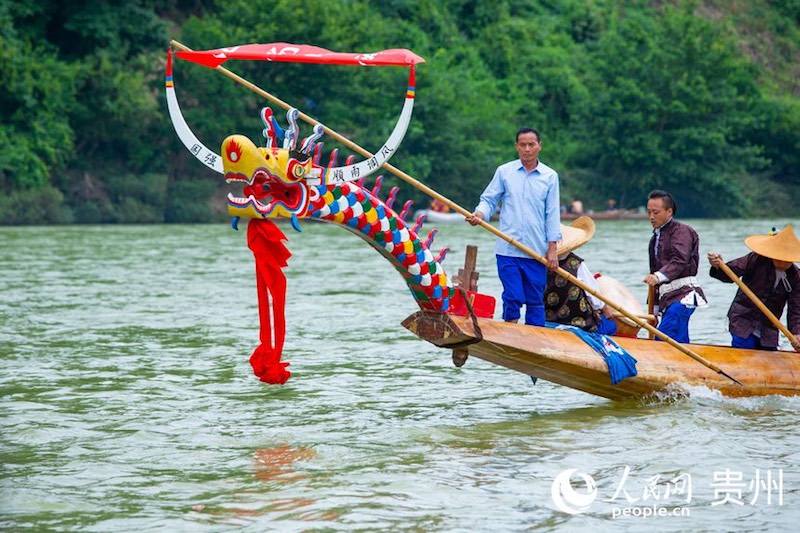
(271, 255)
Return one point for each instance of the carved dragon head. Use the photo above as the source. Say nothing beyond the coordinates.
(277, 181)
(273, 179)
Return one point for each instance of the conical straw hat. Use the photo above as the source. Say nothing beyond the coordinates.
(783, 246)
(575, 235)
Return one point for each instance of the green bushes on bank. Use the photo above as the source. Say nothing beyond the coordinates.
(698, 97)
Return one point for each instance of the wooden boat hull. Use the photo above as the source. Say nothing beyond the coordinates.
(561, 357)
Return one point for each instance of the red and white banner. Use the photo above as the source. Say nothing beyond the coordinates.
(301, 53)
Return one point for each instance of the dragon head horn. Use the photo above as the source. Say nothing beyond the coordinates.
(271, 129)
(308, 143)
(290, 140)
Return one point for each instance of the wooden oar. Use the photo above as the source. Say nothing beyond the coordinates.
(648, 317)
(651, 304)
(628, 322)
(757, 301)
(430, 192)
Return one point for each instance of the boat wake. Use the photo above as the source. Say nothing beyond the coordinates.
(703, 396)
(673, 393)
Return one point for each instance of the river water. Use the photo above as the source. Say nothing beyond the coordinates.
(128, 404)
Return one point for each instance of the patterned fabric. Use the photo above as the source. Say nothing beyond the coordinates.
(565, 302)
(620, 363)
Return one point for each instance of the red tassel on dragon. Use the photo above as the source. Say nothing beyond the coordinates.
(265, 239)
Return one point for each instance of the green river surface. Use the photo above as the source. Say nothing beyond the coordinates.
(128, 403)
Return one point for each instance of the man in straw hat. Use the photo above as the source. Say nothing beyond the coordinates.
(565, 302)
(770, 273)
(674, 259)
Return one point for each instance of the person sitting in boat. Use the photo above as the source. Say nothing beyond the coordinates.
(439, 206)
(770, 273)
(565, 302)
(674, 259)
(576, 207)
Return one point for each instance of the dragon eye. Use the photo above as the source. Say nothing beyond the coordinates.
(299, 171)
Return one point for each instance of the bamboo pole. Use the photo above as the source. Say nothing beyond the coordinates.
(648, 317)
(757, 301)
(651, 303)
(430, 192)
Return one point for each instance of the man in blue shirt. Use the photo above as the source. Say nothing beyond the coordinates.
(529, 192)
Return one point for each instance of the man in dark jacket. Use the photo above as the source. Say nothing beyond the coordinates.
(769, 272)
(674, 257)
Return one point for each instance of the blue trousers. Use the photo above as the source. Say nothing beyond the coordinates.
(675, 322)
(523, 281)
(751, 342)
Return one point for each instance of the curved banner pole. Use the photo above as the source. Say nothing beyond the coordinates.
(370, 165)
(203, 154)
(332, 175)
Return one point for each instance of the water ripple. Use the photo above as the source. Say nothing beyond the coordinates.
(128, 402)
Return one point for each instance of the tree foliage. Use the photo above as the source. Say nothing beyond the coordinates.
(676, 114)
(698, 97)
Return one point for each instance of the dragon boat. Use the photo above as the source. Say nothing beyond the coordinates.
(565, 358)
(285, 179)
(561, 357)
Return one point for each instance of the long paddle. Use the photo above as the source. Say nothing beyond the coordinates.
(430, 192)
(651, 304)
(648, 317)
(757, 301)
